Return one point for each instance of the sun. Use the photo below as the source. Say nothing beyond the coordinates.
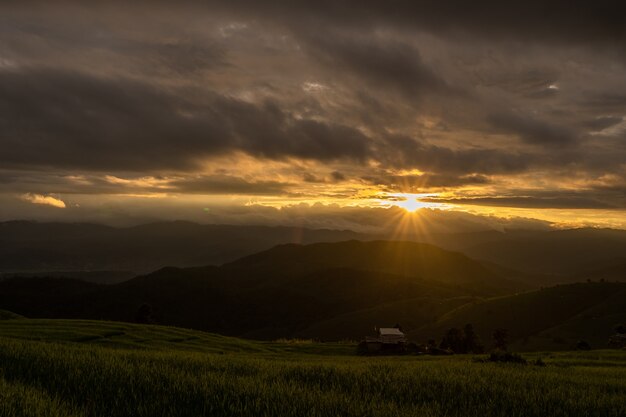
(410, 204)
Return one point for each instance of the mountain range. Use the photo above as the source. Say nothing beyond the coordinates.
(105, 254)
(332, 291)
(108, 254)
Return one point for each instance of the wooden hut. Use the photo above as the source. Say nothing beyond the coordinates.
(388, 338)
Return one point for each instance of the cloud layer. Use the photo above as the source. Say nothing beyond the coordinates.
(485, 104)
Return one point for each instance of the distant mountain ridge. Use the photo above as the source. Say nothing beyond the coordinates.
(420, 260)
(107, 254)
(33, 247)
(562, 252)
(275, 293)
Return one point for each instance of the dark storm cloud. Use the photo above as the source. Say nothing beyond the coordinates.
(565, 21)
(165, 51)
(9, 177)
(185, 57)
(530, 202)
(533, 130)
(134, 124)
(602, 123)
(405, 151)
(605, 101)
(424, 182)
(61, 119)
(559, 20)
(311, 178)
(594, 196)
(77, 121)
(225, 184)
(380, 62)
(43, 182)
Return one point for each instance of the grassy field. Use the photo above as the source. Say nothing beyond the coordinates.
(88, 368)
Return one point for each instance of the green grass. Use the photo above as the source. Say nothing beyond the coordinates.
(18, 400)
(83, 368)
(153, 337)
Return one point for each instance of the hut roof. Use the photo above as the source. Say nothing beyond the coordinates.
(390, 331)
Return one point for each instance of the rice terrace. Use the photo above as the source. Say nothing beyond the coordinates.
(87, 368)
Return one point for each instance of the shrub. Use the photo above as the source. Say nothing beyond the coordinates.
(501, 339)
(415, 348)
(438, 351)
(503, 356)
(361, 348)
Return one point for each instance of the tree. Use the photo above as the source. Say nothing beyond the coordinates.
(471, 340)
(583, 345)
(144, 314)
(620, 329)
(501, 339)
(462, 341)
(453, 340)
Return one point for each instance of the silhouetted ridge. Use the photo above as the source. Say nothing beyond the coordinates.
(279, 292)
(418, 260)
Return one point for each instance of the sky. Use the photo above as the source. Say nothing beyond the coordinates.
(337, 114)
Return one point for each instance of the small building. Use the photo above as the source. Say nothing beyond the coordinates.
(388, 338)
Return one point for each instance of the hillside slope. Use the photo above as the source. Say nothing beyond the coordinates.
(411, 313)
(149, 337)
(276, 293)
(7, 315)
(549, 319)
